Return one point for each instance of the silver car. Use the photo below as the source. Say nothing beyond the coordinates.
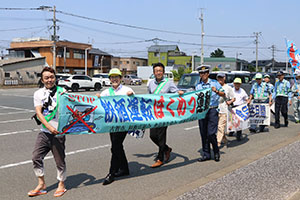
(131, 80)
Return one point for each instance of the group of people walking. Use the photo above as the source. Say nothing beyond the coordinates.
(212, 127)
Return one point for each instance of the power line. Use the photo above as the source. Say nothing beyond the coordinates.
(20, 29)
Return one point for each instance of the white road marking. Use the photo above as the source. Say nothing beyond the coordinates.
(19, 112)
(15, 120)
(17, 95)
(17, 132)
(49, 157)
(190, 128)
(14, 108)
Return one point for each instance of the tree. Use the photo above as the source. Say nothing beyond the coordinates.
(177, 74)
(218, 53)
(215, 69)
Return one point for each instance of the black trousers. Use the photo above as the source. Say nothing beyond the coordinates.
(208, 129)
(159, 137)
(118, 158)
(281, 104)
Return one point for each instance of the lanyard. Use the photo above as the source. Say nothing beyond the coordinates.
(50, 116)
(160, 86)
(111, 92)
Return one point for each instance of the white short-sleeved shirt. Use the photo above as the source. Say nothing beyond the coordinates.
(223, 107)
(121, 90)
(240, 96)
(39, 98)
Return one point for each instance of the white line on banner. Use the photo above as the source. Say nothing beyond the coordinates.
(49, 157)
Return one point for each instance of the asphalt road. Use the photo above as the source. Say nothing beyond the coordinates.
(88, 159)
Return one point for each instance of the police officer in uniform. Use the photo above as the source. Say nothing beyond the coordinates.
(260, 93)
(282, 95)
(209, 125)
(296, 97)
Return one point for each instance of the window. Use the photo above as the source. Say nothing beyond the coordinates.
(156, 54)
(78, 77)
(133, 62)
(115, 62)
(121, 62)
(7, 75)
(60, 53)
(127, 62)
(78, 54)
(137, 63)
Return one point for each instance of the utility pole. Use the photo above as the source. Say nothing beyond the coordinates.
(65, 62)
(256, 42)
(202, 37)
(54, 39)
(273, 56)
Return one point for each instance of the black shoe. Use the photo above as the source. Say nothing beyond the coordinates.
(217, 157)
(121, 173)
(108, 179)
(276, 126)
(230, 134)
(286, 124)
(203, 159)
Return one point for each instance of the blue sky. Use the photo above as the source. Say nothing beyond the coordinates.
(275, 19)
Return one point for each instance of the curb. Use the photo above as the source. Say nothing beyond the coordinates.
(173, 194)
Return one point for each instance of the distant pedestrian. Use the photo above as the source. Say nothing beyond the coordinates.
(296, 98)
(209, 125)
(283, 96)
(161, 85)
(269, 84)
(46, 107)
(260, 92)
(224, 102)
(241, 97)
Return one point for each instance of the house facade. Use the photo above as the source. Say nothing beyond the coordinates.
(70, 56)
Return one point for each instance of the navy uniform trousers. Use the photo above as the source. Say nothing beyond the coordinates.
(159, 137)
(281, 104)
(118, 157)
(208, 129)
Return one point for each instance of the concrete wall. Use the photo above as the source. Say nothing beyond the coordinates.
(24, 72)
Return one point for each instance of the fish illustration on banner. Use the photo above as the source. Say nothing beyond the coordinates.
(86, 114)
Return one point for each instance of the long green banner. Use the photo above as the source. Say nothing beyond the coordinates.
(85, 114)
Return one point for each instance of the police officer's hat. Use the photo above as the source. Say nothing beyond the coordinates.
(266, 76)
(279, 73)
(203, 68)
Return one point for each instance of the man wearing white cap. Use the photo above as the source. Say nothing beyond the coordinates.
(296, 97)
(260, 93)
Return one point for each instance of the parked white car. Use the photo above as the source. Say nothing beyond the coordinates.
(168, 75)
(103, 78)
(75, 82)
